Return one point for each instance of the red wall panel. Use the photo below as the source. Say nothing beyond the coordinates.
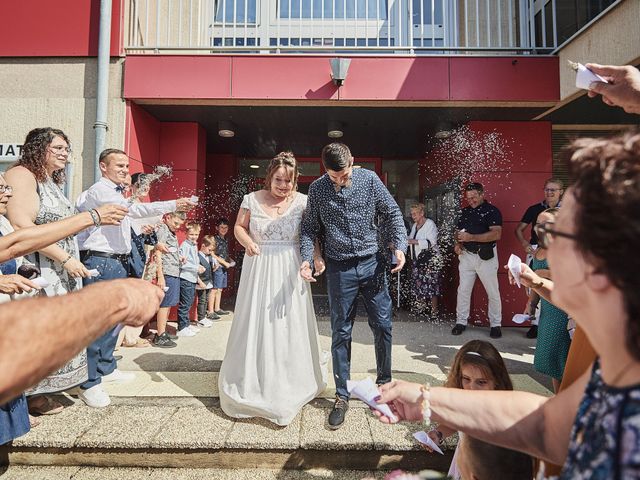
(151, 76)
(504, 78)
(65, 28)
(142, 140)
(309, 78)
(397, 79)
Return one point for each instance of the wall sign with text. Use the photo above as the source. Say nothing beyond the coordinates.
(10, 151)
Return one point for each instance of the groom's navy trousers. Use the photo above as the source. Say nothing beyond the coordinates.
(345, 280)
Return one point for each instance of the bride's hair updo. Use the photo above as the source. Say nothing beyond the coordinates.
(286, 160)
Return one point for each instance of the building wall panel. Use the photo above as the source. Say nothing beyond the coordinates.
(65, 28)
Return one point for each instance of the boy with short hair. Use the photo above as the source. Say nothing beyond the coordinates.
(189, 271)
(222, 256)
(478, 460)
(168, 275)
(205, 282)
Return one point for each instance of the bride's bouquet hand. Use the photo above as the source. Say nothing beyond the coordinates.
(252, 249)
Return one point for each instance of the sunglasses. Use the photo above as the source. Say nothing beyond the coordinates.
(546, 234)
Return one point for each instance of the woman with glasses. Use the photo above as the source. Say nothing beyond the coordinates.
(37, 199)
(553, 340)
(593, 426)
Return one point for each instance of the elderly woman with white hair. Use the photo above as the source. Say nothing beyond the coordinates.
(425, 272)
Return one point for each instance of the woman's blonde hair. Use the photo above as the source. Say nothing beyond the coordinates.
(418, 206)
(286, 160)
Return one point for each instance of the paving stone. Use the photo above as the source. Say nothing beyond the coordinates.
(191, 427)
(263, 434)
(126, 427)
(19, 472)
(63, 429)
(398, 436)
(354, 434)
(115, 473)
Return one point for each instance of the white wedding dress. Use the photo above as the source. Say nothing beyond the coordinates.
(273, 364)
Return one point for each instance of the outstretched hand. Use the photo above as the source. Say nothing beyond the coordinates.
(623, 89)
(404, 399)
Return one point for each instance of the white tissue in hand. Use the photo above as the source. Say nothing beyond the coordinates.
(93, 273)
(232, 264)
(172, 249)
(520, 318)
(366, 391)
(585, 77)
(425, 439)
(194, 199)
(514, 267)
(166, 289)
(41, 282)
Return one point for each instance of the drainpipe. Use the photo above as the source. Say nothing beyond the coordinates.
(102, 91)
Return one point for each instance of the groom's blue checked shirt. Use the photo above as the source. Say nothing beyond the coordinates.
(347, 219)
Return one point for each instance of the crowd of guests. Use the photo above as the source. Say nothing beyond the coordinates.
(589, 426)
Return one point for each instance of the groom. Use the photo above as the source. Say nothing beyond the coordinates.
(344, 206)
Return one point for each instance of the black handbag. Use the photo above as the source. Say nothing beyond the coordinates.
(485, 252)
(425, 256)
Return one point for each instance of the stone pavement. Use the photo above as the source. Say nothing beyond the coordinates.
(169, 416)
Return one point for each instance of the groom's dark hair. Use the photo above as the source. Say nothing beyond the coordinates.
(336, 157)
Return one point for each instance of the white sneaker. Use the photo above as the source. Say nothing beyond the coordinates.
(118, 376)
(194, 329)
(186, 332)
(205, 323)
(95, 397)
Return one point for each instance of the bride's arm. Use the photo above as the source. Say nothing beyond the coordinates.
(241, 232)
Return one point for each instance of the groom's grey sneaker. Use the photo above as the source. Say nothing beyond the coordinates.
(336, 417)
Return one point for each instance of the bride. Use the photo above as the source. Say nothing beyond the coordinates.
(272, 366)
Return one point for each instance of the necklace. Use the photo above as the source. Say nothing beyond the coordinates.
(620, 374)
(278, 208)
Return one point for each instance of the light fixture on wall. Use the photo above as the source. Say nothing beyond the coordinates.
(226, 128)
(339, 69)
(334, 130)
(254, 166)
(443, 134)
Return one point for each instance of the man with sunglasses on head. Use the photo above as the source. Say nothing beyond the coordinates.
(553, 190)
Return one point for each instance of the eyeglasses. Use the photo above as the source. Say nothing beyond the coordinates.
(59, 149)
(552, 190)
(6, 189)
(546, 234)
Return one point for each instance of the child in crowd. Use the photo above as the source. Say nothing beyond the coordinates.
(168, 275)
(477, 366)
(222, 257)
(479, 460)
(204, 288)
(189, 271)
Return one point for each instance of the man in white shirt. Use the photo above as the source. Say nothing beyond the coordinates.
(106, 249)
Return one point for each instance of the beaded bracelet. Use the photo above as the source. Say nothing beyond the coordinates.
(66, 260)
(95, 216)
(425, 393)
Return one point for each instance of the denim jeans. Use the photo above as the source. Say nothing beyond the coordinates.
(187, 296)
(203, 296)
(345, 280)
(100, 361)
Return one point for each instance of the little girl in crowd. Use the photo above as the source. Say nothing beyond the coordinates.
(476, 366)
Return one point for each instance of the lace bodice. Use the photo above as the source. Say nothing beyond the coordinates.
(283, 229)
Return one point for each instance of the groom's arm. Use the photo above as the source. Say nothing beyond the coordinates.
(391, 214)
(310, 226)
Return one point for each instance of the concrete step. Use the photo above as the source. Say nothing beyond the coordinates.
(20, 472)
(190, 433)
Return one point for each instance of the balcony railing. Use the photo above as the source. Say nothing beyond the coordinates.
(342, 26)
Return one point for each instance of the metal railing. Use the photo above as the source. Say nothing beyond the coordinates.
(342, 26)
